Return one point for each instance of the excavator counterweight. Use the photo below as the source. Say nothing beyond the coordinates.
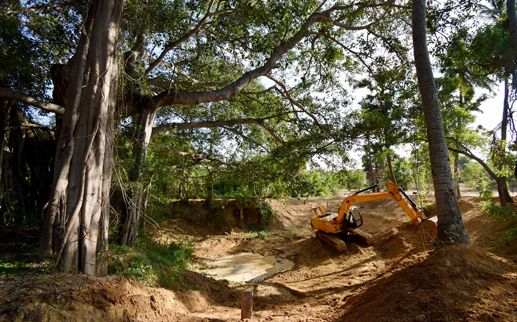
(335, 228)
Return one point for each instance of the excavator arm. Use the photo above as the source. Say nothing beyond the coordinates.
(334, 223)
(394, 192)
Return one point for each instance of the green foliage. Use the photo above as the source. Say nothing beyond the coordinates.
(490, 48)
(497, 211)
(473, 174)
(31, 40)
(353, 179)
(23, 264)
(509, 236)
(257, 233)
(486, 195)
(318, 183)
(151, 262)
(490, 207)
(402, 171)
(429, 209)
(267, 213)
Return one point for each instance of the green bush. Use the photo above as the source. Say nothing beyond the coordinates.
(151, 262)
(498, 211)
(267, 213)
(491, 208)
(509, 236)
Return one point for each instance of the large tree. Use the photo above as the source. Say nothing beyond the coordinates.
(277, 36)
(450, 222)
(77, 223)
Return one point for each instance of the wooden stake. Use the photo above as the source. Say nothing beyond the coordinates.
(247, 303)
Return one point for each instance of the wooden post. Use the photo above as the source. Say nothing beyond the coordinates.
(247, 303)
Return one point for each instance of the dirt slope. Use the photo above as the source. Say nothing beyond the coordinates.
(400, 278)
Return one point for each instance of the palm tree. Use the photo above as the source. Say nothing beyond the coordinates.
(450, 223)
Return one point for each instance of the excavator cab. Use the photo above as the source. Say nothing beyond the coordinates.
(354, 219)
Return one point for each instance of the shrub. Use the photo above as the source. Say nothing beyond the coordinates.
(152, 263)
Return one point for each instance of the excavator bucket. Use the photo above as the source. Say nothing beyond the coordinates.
(428, 229)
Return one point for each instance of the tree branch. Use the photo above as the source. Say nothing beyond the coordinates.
(223, 123)
(472, 156)
(172, 97)
(466, 152)
(245, 137)
(178, 96)
(356, 54)
(285, 92)
(29, 100)
(170, 46)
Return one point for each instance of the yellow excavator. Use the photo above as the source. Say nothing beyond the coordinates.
(336, 228)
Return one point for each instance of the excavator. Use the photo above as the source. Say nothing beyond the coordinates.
(336, 228)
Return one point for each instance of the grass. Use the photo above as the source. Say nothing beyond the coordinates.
(151, 262)
(24, 264)
(257, 232)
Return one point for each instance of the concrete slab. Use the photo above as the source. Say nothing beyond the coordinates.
(246, 267)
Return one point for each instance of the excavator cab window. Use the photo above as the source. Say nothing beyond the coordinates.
(354, 219)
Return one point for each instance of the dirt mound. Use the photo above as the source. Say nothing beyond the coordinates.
(467, 204)
(452, 284)
(69, 297)
(487, 231)
(292, 216)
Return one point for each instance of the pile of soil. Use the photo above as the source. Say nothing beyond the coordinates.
(455, 283)
(64, 297)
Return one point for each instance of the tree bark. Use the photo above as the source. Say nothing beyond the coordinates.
(456, 178)
(78, 208)
(512, 25)
(5, 107)
(390, 167)
(450, 223)
(502, 186)
(138, 194)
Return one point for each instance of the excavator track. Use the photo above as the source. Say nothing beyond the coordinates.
(362, 237)
(332, 240)
(338, 242)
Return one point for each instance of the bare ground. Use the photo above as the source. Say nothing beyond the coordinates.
(399, 278)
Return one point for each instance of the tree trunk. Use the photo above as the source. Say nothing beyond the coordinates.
(5, 108)
(456, 164)
(16, 201)
(450, 223)
(390, 167)
(512, 25)
(138, 194)
(502, 187)
(210, 190)
(79, 205)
